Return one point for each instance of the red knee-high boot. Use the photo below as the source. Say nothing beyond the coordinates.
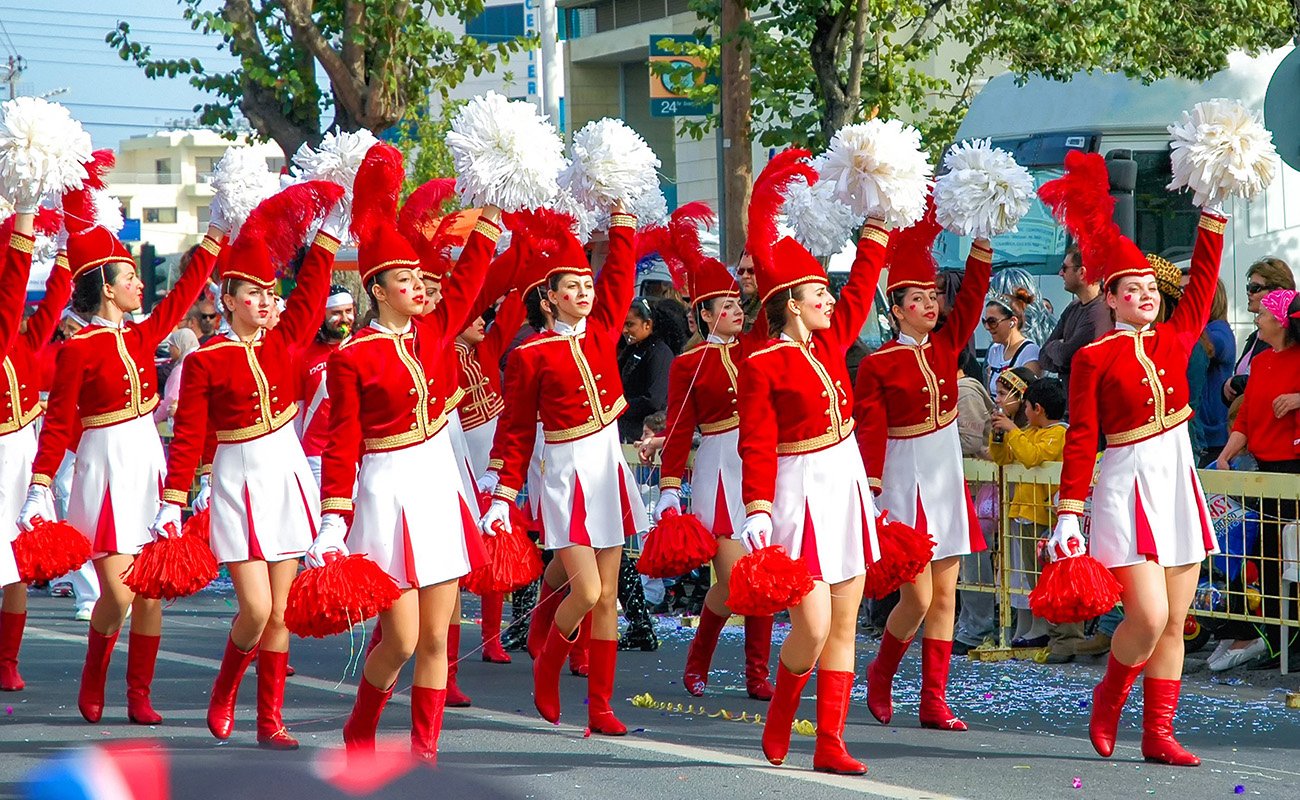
(830, 755)
(546, 673)
(580, 655)
(492, 603)
(359, 730)
(700, 654)
(1108, 702)
(1159, 702)
(221, 706)
(600, 689)
(780, 716)
(271, 672)
(548, 600)
(426, 722)
(376, 636)
(455, 697)
(99, 651)
(936, 657)
(880, 677)
(758, 651)
(141, 656)
(11, 640)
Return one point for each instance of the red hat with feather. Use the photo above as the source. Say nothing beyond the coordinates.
(552, 248)
(1081, 201)
(703, 278)
(429, 230)
(779, 264)
(90, 245)
(275, 230)
(911, 253)
(380, 246)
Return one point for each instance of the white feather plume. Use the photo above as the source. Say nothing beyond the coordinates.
(108, 211)
(41, 145)
(584, 222)
(817, 218)
(337, 159)
(983, 193)
(879, 170)
(1221, 149)
(611, 163)
(45, 249)
(505, 154)
(242, 180)
(7, 209)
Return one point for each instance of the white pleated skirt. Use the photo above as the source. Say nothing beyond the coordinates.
(715, 484)
(533, 481)
(823, 513)
(265, 505)
(464, 467)
(588, 494)
(479, 439)
(1148, 505)
(923, 486)
(116, 485)
(411, 518)
(17, 450)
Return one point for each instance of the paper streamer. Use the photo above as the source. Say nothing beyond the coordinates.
(802, 727)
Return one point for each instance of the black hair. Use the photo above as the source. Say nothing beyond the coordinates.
(969, 364)
(88, 292)
(710, 305)
(668, 315)
(656, 422)
(1050, 394)
(537, 318)
(776, 310)
(641, 309)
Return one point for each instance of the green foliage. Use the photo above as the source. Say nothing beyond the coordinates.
(423, 142)
(802, 50)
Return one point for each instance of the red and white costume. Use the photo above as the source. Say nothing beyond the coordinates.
(108, 387)
(568, 378)
(906, 410)
(312, 421)
(238, 398)
(480, 379)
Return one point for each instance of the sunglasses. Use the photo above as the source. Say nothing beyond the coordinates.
(1258, 288)
(210, 316)
(744, 270)
(993, 322)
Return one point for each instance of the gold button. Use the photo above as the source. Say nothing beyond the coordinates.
(945, 397)
(145, 385)
(598, 377)
(590, 418)
(1151, 419)
(1160, 372)
(942, 381)
(602, 391)
(1150, 401)
(414, 426)
(410, 391)
(128, 405)
(259, 419)
(586, 402)
(824, 394)
(731, 389)
(1170, 390)
(925, 389)
(734, 401)
(607, 409)
(1146, 381)
(275, 399)
(128, 391)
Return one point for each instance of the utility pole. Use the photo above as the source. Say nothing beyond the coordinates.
(548, 33)
(15, 68)
(737, 161)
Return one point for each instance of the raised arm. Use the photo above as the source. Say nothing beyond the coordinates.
(616, 283)
(1080, 454)
(306, 305)
(61, 428)
(164, 317)
(58, 288)
(460, 294)
(1193, 310)
(189, 429)
(858, 294)
(13, 284)
(758, 437)
(965, 313)
(517, 431)
(510, 317)
(871, 423)
(680, 427)
(339, 460)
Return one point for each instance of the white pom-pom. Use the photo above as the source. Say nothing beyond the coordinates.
(46, 248)
(41, 147)
(1221, 149)
(880, 170)
(817, 218)
(7, 209)
(505, 154)
(242, 181)
(983, 193)
(611, 164)
(651, 208)
(108, 211)
(336, 160)
(584, 222)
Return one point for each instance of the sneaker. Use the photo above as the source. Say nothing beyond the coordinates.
(1235, 658)
(1219, 650)
(960, 648)
(82, 615)
(644, 640)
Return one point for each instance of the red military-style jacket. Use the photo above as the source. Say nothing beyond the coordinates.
(389, 390)
(1131, 385)
(796, 397)
(235, 391)
(106, 373)
(21, 368)
(569, 381)
(480, 371)
(906, 389)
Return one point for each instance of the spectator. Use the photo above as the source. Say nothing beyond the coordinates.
(1004, 317)
(1084, 319)
(1217, 347)
(643, 364)
(977, 620)
(1267, 425)
(203, 319)
(180, 343)
(1264, 276)
(974, 409)
(748, 289)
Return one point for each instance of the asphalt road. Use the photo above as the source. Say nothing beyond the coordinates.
(1027, 738)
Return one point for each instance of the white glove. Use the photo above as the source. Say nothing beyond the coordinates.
(329, 542)
(204, 498)
(669, 499)
(27, 197)
(217, 214)
(497, 513)
(38, 506)
(1066, 540)
(487, 482)
(756, 533)
(336, 222)
(168, 522)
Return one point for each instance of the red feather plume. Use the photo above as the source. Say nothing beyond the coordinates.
(684, 228)
(49, 221)
(421, 212)
(768, 197)
(78, 204)
(911, 250)
(1081, 201)
(545, 228)
(101, 163)
(280, 222)
(375, 189)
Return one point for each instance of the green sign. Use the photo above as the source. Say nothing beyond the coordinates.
(668, 87)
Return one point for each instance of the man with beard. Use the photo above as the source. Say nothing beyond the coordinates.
(314, 404)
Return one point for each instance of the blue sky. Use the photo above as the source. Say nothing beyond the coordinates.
(63, 44)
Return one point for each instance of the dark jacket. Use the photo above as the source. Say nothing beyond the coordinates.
(1080, 324)
(644, 369)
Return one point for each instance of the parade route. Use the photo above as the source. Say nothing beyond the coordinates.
(1024, 742)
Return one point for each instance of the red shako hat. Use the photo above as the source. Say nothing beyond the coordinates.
(374, 214)
(779, 264)
(428, 229)
(910, 257)
(1081, 201)
(696, 275)
(275, 230)
(552, 247)
(91, 246)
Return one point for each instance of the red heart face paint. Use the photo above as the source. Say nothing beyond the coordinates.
(568, 296)
(403, 291)
(1128, 298)
(912, 307)
(248, 302)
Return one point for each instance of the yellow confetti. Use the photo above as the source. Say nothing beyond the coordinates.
(802, 727)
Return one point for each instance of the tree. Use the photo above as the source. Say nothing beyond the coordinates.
(821, 64)
(381, 58)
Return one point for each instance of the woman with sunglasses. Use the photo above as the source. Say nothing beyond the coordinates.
(906, 412)
(1265, 275)
(1004, 318)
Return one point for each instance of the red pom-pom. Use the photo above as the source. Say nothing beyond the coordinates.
(1074, 590)
(171, 567)
(767, 581)
(331, 599)
(48, 550)
(904, 552)
(513, 563)
(677, 545)
(198, 525)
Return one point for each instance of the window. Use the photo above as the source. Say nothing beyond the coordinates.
(1165, 221)
(162, 169)
(206, 165)
(498, 23)
(160, 216)
(205, 217)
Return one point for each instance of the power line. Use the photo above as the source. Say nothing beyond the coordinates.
(81, 13)
(107, 28)
(132, 107)
(13, 51)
